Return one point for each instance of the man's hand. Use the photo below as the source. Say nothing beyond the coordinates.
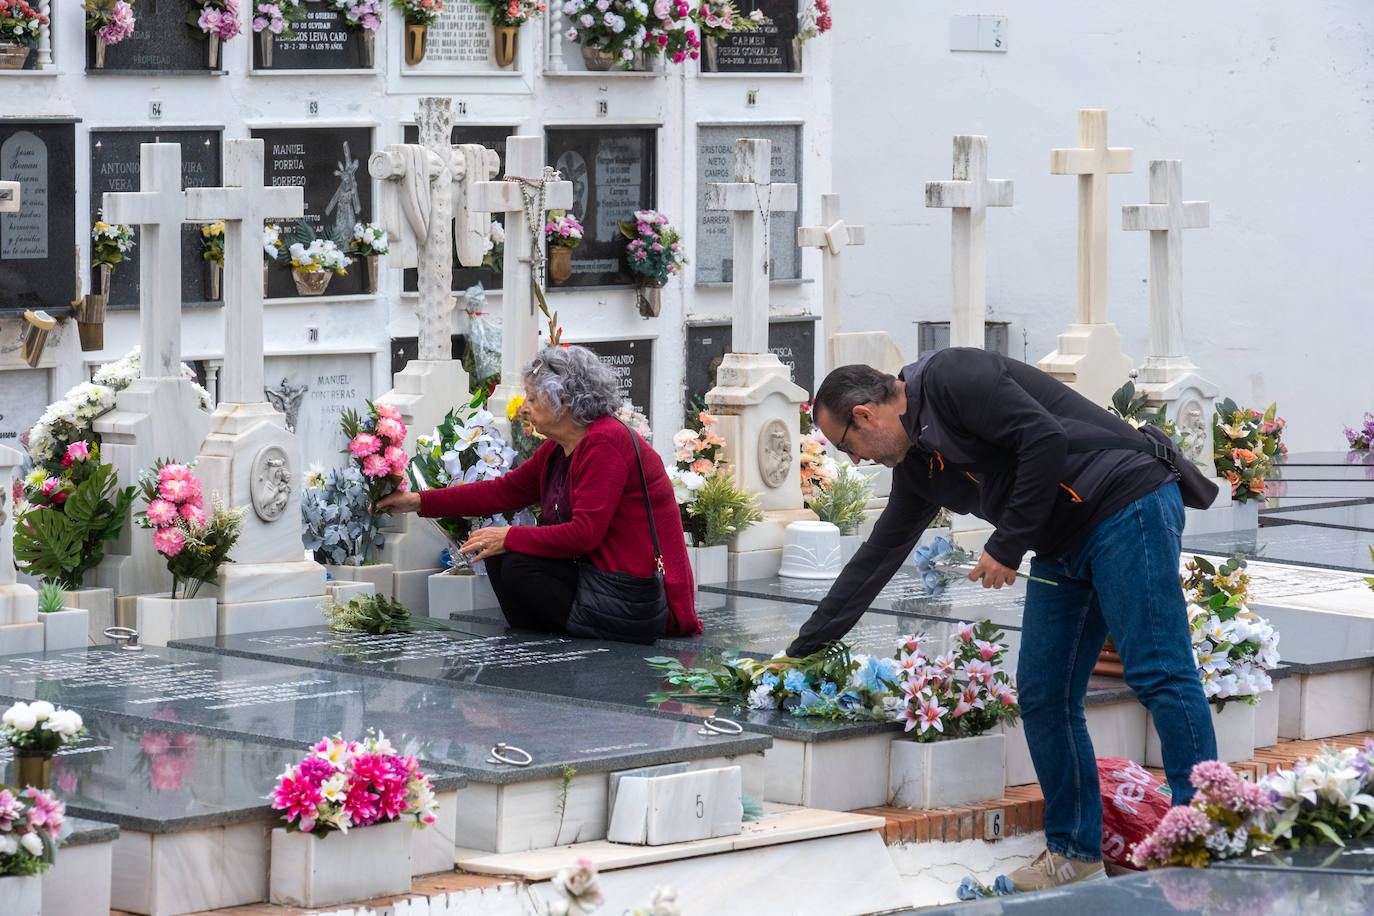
(993, 574)
(398, 502)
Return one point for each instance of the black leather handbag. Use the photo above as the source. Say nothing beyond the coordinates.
(615, 605)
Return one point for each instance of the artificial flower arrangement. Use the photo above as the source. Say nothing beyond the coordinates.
(1134, 409)
(818, 469)
(654, 250)
(718, 18)
(495, 242)
(1361, 438)
(1233, 648)
(67, 516)
(195, 544)
(319, 255)
(524, 438)
(271, 242)
(841, 499)
(278, 17)
(122, 373)
(342, 785)
(30, 828)
(1225, 820)
(563, 231)
(813, 20)
(110, 244)
(622, 28)
(376, 442)
(959, 693)
(337, 524)
(1244, 444)
(632, 418)
(217, 18)
(510, 13)
(361, 16)
(40, 729)
(369, 240)
(418, 12)
(111, 21)
(1326, 799)
(713, 509)
(20, 23)
(212, 243)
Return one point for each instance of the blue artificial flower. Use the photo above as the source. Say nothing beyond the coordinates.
(934, 582)
(872, 672)
(849, 701)
(810, 699)
(794, 681)
(828, 688)
(769, 680)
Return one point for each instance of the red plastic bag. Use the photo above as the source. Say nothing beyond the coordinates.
(1133, 801)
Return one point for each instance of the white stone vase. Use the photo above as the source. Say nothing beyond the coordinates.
(65, 629)
(940, 774)
(1234, 727)
(710, 565)
(811, 550)
(22, 896)
(160, 619)
(100, 607)
(366, 862)
(381, 575)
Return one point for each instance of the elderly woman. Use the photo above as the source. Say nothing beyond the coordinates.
(586, 480)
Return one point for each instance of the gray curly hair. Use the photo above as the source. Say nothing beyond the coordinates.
(573, 378)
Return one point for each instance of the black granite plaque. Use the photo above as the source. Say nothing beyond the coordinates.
(1305, 544)
(323, 42)
(792, 339)
(404, 349)
(38, 244)
(162, 41)
(632, 361)
(773, 48)
(715, 254)
(614, 172)
(493, 138)
(330, 163)
(115, 159)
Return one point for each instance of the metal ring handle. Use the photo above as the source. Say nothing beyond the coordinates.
(498, 755)
(126, 636)
(719, 725)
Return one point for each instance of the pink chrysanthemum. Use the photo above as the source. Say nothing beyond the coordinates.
(364, 444)
(392, 430)
(175, 489)
(168, 541)
(298, 798)
(361, 805)
(396, 457)
(161, 513)
(375, 466)
(195, 515)
(10, 810)
(173, 472)
(385, 412)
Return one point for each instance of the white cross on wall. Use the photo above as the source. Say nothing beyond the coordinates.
(832, 236)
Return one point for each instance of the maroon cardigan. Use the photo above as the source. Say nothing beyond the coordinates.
(608, 523)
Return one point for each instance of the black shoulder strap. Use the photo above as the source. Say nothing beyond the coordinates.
(1098, 443)
(644, 484)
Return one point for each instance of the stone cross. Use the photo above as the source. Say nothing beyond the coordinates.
(753, 198)
(1092, 162)
(969, 195)
(9, 197)
(244, 203)
(832, 236)
(525, 178)
(1166, 216)
(158, 209)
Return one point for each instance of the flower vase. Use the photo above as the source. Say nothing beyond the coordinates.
(32, 769)
(99, 53)
(708, 54)
(364, 863)
(649, 300)
(90, 318)
(602, 59)
(381, 576)
(35, 336)
(213, 271)
(710, 565)
(310, 282)
(373, 264)
(265, 47)
(943, 774)
(13, 56)
(212, 49)
(505, 44)
(367, 49)
(560, 264)
(417, 39)
(160, 619)
(23, 895)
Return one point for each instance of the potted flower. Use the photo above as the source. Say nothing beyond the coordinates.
(717, 19)
(63, 627)
(419, 15)
(36, 731)
(563, 233)
(370, 795)
(697, 458)
(30, 828)
(110, 21)
(506, 18)
(949, 704)
(218, 21)
(625, 33)
(338, 527)
(363, 17)
(212, 253)
(272, 18)
(110, 247)
(654, 253)
(315, 260)
(1360, 439)
(369, 243)
(21, 26)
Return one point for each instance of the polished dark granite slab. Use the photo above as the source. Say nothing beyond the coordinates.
(450, 727)
(80, 831)
(1352, 515)
(1306, 544)
(1357, 858)
(1312, 642)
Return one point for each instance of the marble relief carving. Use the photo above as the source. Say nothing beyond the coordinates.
(271, 488)
(775, 452)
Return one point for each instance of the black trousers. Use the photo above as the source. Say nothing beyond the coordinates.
(536, 593)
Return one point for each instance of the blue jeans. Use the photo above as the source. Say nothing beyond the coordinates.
(1124, 580)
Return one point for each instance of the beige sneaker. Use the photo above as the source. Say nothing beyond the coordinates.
(1051, 870)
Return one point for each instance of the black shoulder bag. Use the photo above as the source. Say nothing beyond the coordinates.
(1197, 490)
(616, 605)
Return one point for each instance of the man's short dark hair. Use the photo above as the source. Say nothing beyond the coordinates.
(849, 386)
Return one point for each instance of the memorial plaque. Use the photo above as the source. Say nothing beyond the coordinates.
(115, 162)
(493, 138)
(314, 391)
(793, 340)
(38, 243)
(614, 172)
(460, 41)
(27, 395)
(323, 42)
(404, 349)
(632, 361)
(162, 41)
(330, 164)
(773, 48)
(715, 256)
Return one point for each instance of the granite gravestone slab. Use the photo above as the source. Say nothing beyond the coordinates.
(323, 42)
(793, 341)
(1308, 545)
(161, 42)
(115, 167)
(460, 41)
(38, 243)
(1352, 515)
(632, 361)
(27, 394)
(614, 172)
(451, 727)
(314, 391)
(493, 138)
(404, 349)
(715, 232)
(330, 163)
(1355, 858)
(773, 48)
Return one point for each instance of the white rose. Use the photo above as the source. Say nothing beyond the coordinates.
(32, 843)
(23, 719)
(9, 844)
(41, 709)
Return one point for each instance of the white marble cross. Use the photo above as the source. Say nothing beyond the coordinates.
(968, 196)
(244, 203)
(520, 327)
(832, 237)
(9, 197)
(1166, 216)
(158, 209)
(753, 198)
(1092, 162)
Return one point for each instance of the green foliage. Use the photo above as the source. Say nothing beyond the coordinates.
(1133, 408)
(1244, 445)
(723, 510)
(842, 503)
(378, 615)
(59, 543)
(51, 598)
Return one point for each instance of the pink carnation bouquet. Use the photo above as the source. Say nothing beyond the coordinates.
(30, 825)
(376, 443)
(195, 544)
(345, 784)
(1224, 820)
(111, 22)
(215, 17)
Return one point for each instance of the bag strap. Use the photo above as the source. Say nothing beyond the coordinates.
(1098, 443)
(644, 485)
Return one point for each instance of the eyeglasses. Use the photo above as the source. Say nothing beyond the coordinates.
(839, 444)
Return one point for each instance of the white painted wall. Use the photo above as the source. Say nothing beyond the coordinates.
(1268, 104)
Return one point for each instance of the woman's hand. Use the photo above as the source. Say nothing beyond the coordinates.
(399, 502)
(485, 542)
